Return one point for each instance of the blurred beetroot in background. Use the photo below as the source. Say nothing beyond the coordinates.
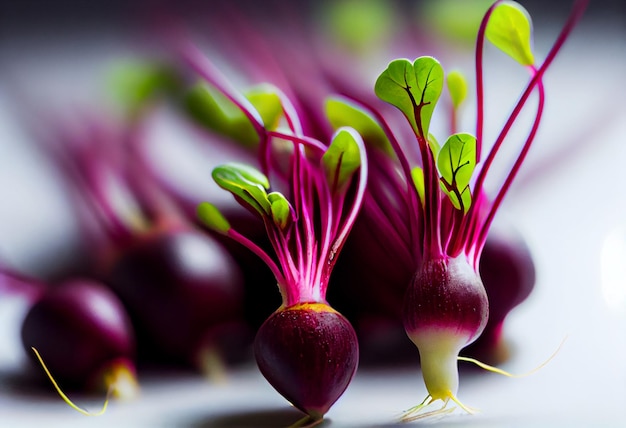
(82, 331)
(182, 289)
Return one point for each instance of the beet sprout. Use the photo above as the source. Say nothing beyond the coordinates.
(307, 229)
(85, 157)
(445, 305)
(465, 229)
(534, 83)
(311, 231)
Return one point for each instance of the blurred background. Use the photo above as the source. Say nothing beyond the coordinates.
(58, 56)
(63, 51)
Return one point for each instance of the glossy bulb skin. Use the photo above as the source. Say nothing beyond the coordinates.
(446, 294)
(445, 309)
(309, 353)
(81, 330)
(376, 281)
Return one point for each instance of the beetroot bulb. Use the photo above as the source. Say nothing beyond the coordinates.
(199, 146)
(437, 213)
(379, 279)
(306, 350)
(373, 273)
(85, 337)
(181, 288)
(185, 126)
(295, 64)
(81, 331)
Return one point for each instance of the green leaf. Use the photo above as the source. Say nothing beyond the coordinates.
(246, 183)
(280, 209)
(341, 112)
(212, 218)
(456, 20)
(456, 163)
(417, 173)
(457, 159)
(413, 88)
(211, 109)
(342, 158)
(457, 87)
(466, 198)
(510, 30)
(267, 102)
(135, 84)
(357, 25)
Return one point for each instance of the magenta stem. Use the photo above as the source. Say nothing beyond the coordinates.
(480, 92)
(575, 15)
(415, 206)
(328, 228)
(89, 168)
(238, 237)
(205, 68)
(482, 235)
(388, 229)
(354, 209)
(304, 195)
(569, 26)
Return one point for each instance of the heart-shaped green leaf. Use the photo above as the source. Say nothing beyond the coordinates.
(342, 112)
(456, 163)
(457, 159)
(510, 30)
(246, 183)
(342, 158)
(212, 218)
(413, 88)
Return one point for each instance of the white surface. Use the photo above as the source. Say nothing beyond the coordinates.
(568, 216)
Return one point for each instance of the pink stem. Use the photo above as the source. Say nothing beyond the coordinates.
(575, 15)
(480, 92)
(482, 236)
(246, 242)
(205, 68)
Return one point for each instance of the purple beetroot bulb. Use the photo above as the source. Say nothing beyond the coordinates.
(305, 349)
(448, 294)
(445, 309)
(83, 333)
(181, 287)
(445, 306)
(207, 149)
(506, 268)
(309, 353)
